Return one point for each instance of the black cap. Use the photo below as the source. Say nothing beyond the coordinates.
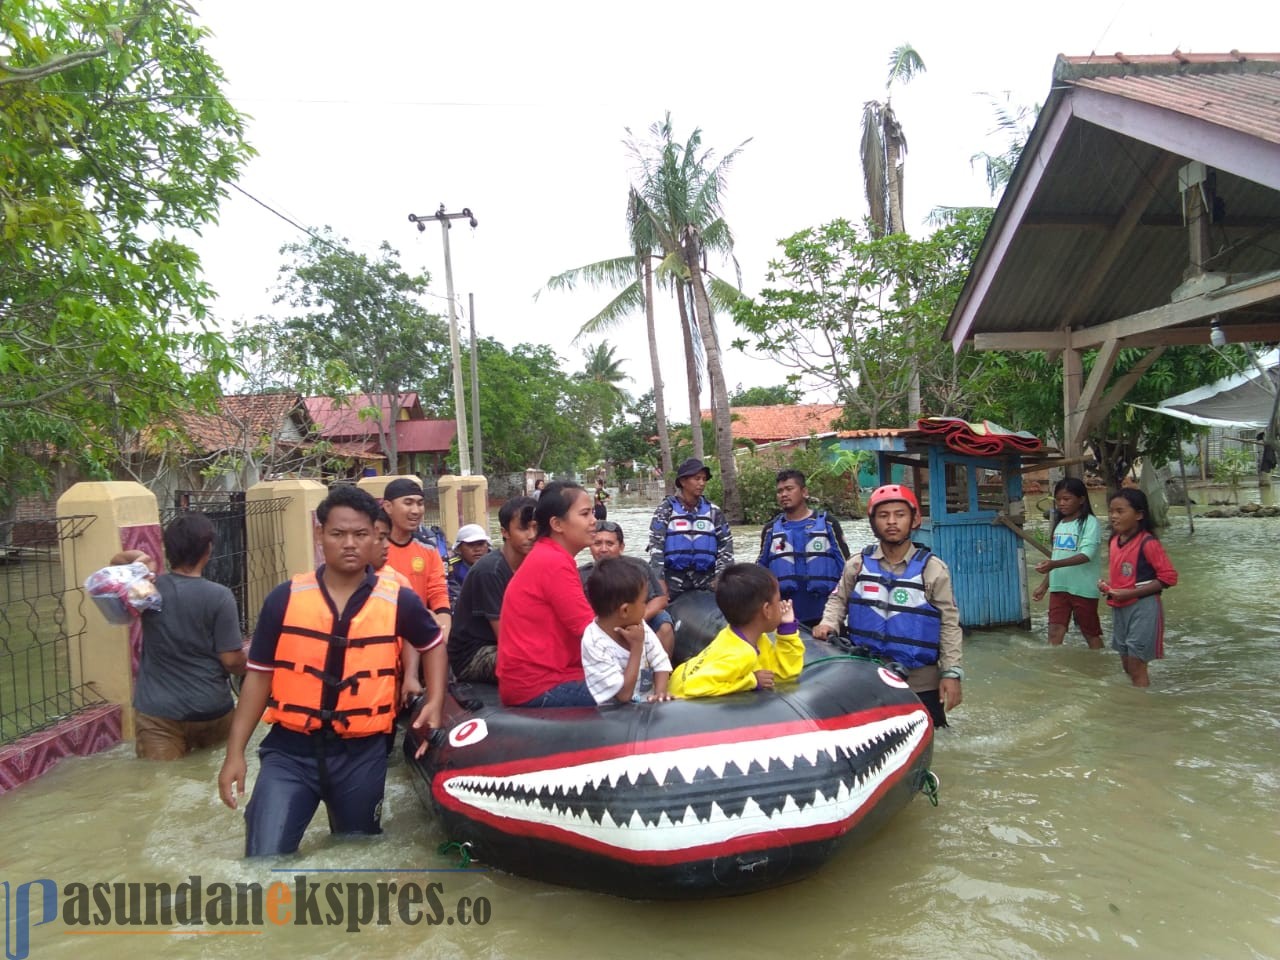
(402, 487)
(691, 468)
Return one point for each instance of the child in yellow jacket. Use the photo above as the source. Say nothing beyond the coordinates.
(748, 654)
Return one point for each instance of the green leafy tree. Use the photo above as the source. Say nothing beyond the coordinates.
(116, 143)
(355, 324)
(531, 411)
(859, 312)
(783, 393)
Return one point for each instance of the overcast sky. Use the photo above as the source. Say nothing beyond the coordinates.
(363, 114)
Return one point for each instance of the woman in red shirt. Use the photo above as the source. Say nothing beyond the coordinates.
(544, 611)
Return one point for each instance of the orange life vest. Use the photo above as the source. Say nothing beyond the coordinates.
(361, 700)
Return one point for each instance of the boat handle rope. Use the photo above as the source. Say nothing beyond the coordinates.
(840, 656)
(462, 849)
(930, 786)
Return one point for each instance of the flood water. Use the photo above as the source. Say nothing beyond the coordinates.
(1079, 817)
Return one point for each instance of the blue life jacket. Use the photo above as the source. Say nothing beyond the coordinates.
(811, 563)
(433, 536)
(690, 542)
(891, 615)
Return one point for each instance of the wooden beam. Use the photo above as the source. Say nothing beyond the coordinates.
(1199, 335)
(1050, 341)
(1103, 364)
(1003, 520)
(1223, 300)
(1121, 387)
(1072, 382)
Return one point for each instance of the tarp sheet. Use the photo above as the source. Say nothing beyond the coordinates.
(1242, 401)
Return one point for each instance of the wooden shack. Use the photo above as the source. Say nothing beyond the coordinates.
(972, 510)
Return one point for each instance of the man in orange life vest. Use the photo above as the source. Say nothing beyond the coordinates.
(322, 665)
(420, 562)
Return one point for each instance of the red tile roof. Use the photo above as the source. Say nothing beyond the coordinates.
(340, 418)
(242, 420)
(425, 436)
(782, 421)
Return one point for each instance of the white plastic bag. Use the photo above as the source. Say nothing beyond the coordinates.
(123, 593)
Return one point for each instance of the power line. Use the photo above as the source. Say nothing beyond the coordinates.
(317, 237)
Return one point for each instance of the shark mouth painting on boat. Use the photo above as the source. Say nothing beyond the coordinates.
(680, 798)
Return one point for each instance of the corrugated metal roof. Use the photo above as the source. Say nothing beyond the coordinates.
(1249, 104)
(425, 436)
(1076, 180)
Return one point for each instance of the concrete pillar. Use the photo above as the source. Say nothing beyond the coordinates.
(125, 517)
(463, 500)
(281, 543)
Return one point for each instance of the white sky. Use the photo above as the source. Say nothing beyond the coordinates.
(363, 114)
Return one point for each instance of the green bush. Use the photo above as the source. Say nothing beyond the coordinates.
(1232, 467)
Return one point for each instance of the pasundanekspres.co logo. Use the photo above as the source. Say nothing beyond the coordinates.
(245, 909)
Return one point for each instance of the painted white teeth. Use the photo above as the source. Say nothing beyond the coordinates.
(520, 797)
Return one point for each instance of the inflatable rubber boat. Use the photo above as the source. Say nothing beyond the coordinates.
(708, 797)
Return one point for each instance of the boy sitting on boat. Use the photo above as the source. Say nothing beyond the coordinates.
(760, 645)
(618, 647)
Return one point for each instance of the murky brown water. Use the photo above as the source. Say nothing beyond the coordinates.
(1079, 818)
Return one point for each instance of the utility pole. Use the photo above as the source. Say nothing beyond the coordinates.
(459, 398)
(475, 385)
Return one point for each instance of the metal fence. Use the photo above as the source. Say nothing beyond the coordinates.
(37, 685)
(248, 572)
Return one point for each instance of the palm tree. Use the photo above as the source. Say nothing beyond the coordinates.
(635, 274)
(884, 144)
(604, 372)
(679, 204)
(883, 147)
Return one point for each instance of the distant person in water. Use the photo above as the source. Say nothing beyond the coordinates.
(602, 498)
(803, 549)
(1072, 573)
(471, 543)
(690, 543)
(1139, 572)
(609, 541)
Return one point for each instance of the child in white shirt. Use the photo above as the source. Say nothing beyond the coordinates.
(618, 646)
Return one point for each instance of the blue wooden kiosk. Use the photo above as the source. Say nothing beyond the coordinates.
(971, 507)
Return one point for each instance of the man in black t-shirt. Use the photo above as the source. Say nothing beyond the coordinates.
(473, 644)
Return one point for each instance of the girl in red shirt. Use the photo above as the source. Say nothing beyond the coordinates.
(544, 610)
(1139, 572)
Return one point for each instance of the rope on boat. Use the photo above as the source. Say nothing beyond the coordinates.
(839, 656)
(464, 851)
(930, 786)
